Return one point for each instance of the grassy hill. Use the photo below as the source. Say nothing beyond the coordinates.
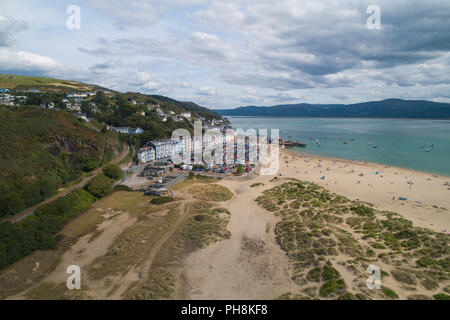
(9, 81)
(51, 85)
(42, 151)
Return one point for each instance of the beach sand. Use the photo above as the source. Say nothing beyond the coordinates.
(359, 180)
(226, 270)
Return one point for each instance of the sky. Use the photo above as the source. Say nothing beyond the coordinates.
(230, 53)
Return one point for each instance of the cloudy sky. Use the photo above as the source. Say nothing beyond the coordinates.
(230, 53)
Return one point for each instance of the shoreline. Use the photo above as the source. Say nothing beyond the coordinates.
(418, 196)
(362, 162)
(305, 117)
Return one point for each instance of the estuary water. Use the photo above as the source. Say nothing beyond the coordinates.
(415, 144)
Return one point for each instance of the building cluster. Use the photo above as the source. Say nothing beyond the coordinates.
(12, 100)
(160, 149)
(234, 149)
(8, 99)
(126, 130)
(73, 100)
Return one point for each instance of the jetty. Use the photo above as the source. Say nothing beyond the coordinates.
(292, 143)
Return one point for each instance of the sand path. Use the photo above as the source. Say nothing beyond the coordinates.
(249, 265)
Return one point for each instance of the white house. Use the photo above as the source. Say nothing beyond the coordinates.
(146, 154)
(82, 116)
(164, 148)
(186, 115)
(127, 130)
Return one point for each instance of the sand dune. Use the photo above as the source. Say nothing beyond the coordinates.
(383, 189)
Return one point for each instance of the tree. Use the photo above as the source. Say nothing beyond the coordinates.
(100, 186)
(113, 171)
(239, 170)
(90, 165)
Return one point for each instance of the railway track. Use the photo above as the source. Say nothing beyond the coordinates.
(80, 184)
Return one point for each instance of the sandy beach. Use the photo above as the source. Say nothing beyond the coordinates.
(225, 270)
(428, 197)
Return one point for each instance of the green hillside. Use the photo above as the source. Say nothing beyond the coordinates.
(42, 151)
(56, 86)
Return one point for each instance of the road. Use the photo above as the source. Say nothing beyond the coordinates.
(80, 184)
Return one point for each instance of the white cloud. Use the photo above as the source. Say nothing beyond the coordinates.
(207, 91)
(12, 60)
(137, 12)
(9, 27)
(228, 53)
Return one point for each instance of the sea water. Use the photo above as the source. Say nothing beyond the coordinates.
(415, 144)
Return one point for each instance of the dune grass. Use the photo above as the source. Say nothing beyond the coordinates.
(211, 192)
(318, 226)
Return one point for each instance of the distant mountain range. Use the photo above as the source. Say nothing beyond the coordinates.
(390, 108)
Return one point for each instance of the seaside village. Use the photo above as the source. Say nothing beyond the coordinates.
(73, 102)
(155, 158)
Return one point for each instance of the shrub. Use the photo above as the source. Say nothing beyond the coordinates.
(90, 165)
(329, 273)
(314, 275)
(362, 210)
(113, 171)
(122, 187)
(99, 186)
(389, 293)
(370, 253)
(429, 284)
(161, 200)
(424, 262)
(256, 184)
(441, 296)
(347, 296)
(418, 297)
(404, 277)
(332, 286)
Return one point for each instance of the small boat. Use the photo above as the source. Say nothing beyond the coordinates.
(345, 142)
(370, 143)
(374, 146)
(427, 150)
